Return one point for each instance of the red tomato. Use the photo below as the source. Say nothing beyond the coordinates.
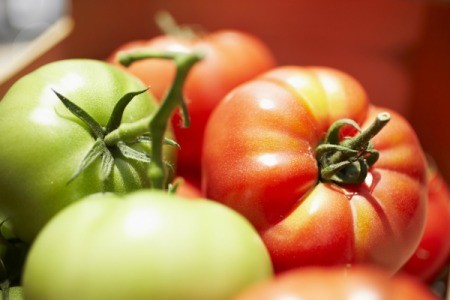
(434, 248)
(259, 158)
(187, 189)
(231, 57)
(321, 283)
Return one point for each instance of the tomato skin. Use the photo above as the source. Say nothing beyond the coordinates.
(145, 245)
(258, 158)
(188, 189)
(231, 58)
(43, 143)
(322, 283)
(434, 248)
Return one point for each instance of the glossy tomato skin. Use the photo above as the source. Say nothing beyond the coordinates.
(338, 283)
(43, 143)
(231, 58)
(145, 245)
(434, 248)
(259, 158)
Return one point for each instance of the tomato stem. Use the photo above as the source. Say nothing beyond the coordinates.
(128, 132)
(169, 26)
(346, 161)
(157, 123)
(360, 140)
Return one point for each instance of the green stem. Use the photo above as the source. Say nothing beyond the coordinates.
(360, 141)
(128, 132)
(126, 58)
(157, 123)
(174, 97)
(364, 137)
(347, 161)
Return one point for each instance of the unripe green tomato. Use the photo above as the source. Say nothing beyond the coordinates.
(42, 143)
(145, 245)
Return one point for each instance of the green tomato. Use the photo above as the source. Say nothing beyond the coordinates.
(43, 143)
(145, 245)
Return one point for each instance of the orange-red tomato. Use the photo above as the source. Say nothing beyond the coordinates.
(231, 57)
(188, 189)
(259, 158)
(324, 283)
(434, 248)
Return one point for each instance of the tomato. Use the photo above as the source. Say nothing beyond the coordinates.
(43, 144)
(434, 248)
(145, 245)
(231, 58)
(188, 189)
(317, 283)
(259, 158)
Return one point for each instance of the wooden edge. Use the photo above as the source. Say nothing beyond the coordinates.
(36, 48)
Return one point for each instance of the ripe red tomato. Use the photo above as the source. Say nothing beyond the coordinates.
(434, 248)
(321, 283)
(188, 189)
(231, 57)
(259, 157)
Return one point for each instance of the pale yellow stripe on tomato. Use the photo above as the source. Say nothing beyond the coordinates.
(376, 240)
(308, 90)
(345, 96)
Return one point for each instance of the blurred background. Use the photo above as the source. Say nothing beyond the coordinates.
(398, 49)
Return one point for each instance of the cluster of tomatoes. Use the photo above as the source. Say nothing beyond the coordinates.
(196, 168)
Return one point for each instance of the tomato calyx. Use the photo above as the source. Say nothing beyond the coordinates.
(101, 149)
(346, 161)
(151, 129)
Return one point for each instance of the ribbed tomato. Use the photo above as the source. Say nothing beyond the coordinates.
(354, 198)
(434, 248)
(323, 283)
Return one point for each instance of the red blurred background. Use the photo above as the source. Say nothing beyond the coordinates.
(398, 49)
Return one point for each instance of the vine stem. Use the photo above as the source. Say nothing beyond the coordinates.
(158, 122)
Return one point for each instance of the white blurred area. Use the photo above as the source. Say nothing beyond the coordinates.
(27, 29)
(23, 20)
